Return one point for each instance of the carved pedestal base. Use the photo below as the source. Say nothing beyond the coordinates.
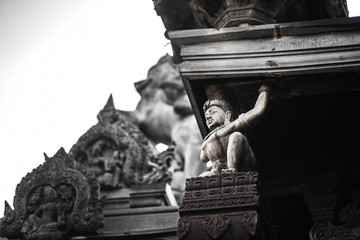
(225, 206)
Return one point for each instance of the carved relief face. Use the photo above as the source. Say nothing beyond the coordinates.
(34, 198)
(49, 194)
(215, 117)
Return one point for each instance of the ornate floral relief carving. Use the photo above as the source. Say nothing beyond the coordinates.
(249, 221)
(223, 180)
(213, 192)
(183, 227)
(221, 207)
(54, 201)
(227, 189)
(119, 154)
(216, 225)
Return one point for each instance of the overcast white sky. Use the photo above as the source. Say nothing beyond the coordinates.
(59, 62)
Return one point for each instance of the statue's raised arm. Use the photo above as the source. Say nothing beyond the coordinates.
(253, 116)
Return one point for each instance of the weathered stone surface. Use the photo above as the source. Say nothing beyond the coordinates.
(56, 200)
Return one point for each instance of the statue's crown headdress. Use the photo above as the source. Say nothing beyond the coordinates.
(221, 103)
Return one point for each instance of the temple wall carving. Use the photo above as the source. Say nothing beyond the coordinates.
(55, 201)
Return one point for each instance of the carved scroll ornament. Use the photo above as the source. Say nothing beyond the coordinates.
(227, 189)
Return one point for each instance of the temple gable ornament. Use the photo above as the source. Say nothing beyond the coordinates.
(119, 153)
(55, 201)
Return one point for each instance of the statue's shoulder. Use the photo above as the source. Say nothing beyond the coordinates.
(214, 133)
(207, 136)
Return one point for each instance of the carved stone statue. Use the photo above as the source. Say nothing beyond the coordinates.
(47, 218)
(55, 201)
(164, 115)
(226, 145)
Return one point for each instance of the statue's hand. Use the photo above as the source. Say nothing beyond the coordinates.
(265, 87)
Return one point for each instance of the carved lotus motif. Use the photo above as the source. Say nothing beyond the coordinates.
(216, 225)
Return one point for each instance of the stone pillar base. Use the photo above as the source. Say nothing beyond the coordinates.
(226, 206)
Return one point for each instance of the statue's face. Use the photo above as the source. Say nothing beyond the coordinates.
(214, 117)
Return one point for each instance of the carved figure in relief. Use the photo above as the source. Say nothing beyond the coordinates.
(226, 145)
(45, 222)
(106, 162)
(57, 200)
(119, 154)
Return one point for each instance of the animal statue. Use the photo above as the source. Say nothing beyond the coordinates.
(165, 116)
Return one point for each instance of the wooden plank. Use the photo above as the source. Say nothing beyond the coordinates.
(195, 99)
(274, 66)
(139, 211)
(141, 224)
(184, 37)
(287, 45)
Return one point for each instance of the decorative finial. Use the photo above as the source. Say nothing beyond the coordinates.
(109, 104)
(46, 157)
(108, 108)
